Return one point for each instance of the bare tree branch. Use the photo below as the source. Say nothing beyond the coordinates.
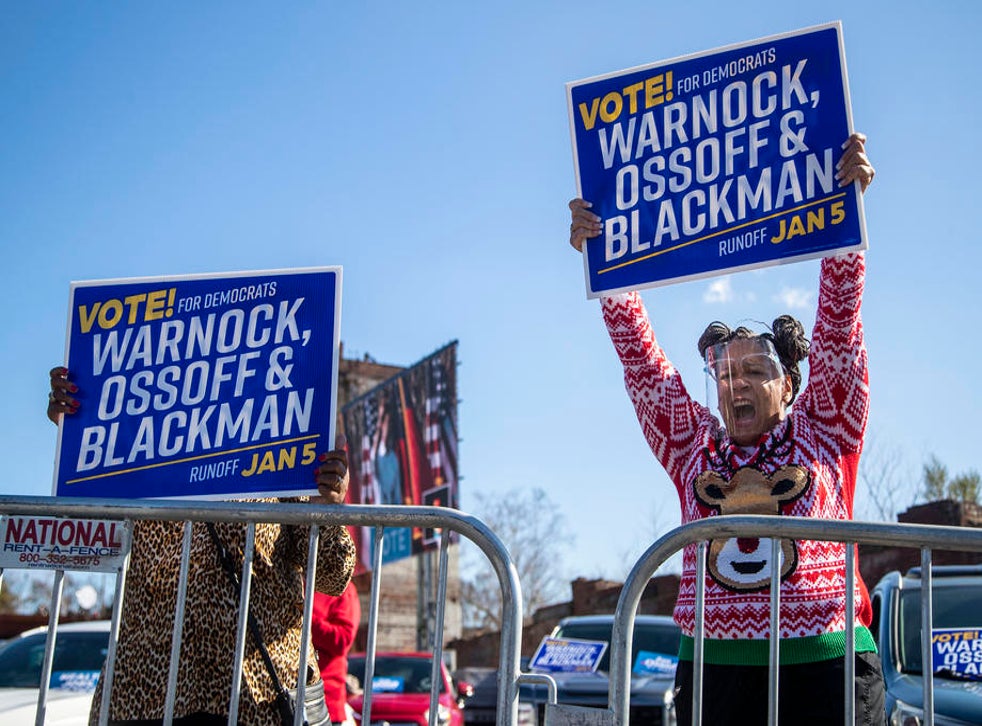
(882, 482)
(534, 531)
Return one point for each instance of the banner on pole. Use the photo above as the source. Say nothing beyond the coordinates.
(402, 435)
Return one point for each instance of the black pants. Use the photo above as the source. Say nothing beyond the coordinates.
(808, 693)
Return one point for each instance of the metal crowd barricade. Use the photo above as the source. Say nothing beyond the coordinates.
(316, 516)
(925, 537)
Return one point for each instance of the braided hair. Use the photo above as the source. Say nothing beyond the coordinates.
(786, 334)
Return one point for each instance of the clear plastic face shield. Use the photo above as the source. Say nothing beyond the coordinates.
(746, 383)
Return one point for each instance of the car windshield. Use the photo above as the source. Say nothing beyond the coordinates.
(648, 637)
(77, 662)
(952, 607)
(395, 674)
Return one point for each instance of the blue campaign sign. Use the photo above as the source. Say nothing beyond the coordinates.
(716, 162)
(957, 650)
(565, 655)
(397, 544)
(647, 663)
(82, 681)
(201, 386)
(388, 684)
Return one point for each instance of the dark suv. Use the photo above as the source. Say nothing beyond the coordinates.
(655, 637)
(957, 603)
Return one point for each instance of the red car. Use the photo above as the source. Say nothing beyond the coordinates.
(401, 690)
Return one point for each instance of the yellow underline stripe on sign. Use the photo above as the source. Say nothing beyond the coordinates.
(192, 458)
(725, 231)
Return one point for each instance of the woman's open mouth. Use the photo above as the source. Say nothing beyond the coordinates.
(743, 411)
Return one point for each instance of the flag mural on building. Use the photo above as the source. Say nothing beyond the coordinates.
(369, 413)
(441, 425)
(405, 431)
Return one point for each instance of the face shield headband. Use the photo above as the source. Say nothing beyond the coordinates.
(754, 359)
(745, 384)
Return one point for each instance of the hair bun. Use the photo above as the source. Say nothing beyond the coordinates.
(714, 333)
(789, 338)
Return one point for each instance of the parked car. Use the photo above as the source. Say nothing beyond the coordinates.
(401, 690)
(656, 637)
(80, 650)
(481, 706)
(957, 603)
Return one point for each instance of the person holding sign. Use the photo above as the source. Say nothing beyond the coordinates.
(139, 685)
(765, 457)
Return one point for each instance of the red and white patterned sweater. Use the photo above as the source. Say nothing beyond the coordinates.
(804, 467)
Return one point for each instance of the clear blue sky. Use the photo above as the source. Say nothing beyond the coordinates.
(425, 147)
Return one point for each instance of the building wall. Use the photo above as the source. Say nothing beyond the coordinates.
(356, 377)
(399, 621)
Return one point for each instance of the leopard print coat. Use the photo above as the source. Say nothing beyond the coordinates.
(139, 686)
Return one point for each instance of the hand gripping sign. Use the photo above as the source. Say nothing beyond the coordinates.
(716, 162)
(202, 386)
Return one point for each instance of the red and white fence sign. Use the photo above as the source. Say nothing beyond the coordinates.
(51, 543)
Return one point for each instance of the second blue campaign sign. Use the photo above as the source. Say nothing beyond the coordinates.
(206, 386)
(716, 162)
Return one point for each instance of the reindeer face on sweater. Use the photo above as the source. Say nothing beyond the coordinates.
(744, 563)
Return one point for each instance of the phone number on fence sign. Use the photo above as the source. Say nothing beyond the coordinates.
(52, 558)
